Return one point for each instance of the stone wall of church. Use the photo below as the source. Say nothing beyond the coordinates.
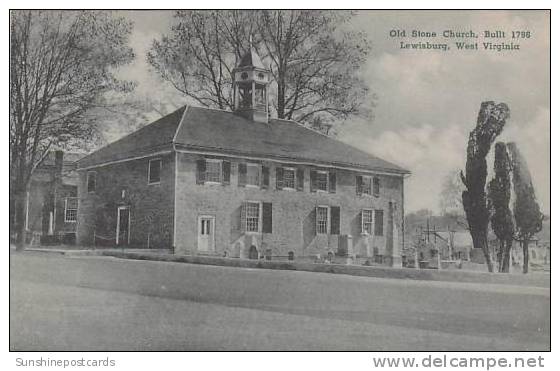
(125, 184)
(293, 216)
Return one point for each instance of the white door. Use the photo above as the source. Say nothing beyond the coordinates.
(206, 233)
(123, 225)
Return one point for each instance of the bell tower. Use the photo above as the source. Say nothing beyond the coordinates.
(251, 80)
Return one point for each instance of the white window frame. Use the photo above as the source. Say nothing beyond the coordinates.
(292, 169)
(328, 221)
(371, 224)
(66, 220)
(149, 168)
(94, 173)
(259, 226)
(259, 175)
(326, 173)
(213, 160)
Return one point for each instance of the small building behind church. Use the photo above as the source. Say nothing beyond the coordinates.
(51, 204)
(242, 185)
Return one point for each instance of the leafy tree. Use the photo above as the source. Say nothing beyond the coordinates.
(490, 122)
(61, 65)
(499, 193)
(450, 199)
(312, 58)
(528, 216)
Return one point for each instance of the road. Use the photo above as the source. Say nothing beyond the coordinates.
(102, 303)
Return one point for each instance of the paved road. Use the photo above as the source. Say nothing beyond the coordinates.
(109, 304)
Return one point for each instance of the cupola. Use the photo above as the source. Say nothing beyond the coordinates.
(251, 80)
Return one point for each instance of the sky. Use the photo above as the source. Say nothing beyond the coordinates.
(427, 100)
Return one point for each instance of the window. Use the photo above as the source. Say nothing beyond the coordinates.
(213, 171)
(154, 171)
(289, 178)
(379, 222)
(322, 219)
(367, 185)
(70, 209)
(91, 181)
(205, 226)
(253, 175)
(252, 216)
(256, 217)
(367, 220)
(322, 181)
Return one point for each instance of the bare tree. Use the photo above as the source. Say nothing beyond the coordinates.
(528, 216)
(312, 58)
(198, 57)
(490, 123)
(61, 64)
(499, 194)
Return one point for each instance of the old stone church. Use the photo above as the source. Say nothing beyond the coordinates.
(241, 184)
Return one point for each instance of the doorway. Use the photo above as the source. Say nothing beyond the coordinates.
(206, 229)
(123, 226)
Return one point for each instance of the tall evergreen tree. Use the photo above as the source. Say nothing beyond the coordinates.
(526, 210)
(490, 123)
(499, 194)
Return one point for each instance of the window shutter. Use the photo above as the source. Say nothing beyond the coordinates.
(313, 180)
(335, 219)
(243, 217)
(361, 218)
(299, 179)
(375, 190)
(279, 178)
(200, 171)
(332, 182)
(359, 185)
(226, 171)
(315, 220)
(242, 178)
(378, 222)
(265, 182)
(267, 217)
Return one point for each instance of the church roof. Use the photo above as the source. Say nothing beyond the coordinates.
(251, 59)
(216, 131)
